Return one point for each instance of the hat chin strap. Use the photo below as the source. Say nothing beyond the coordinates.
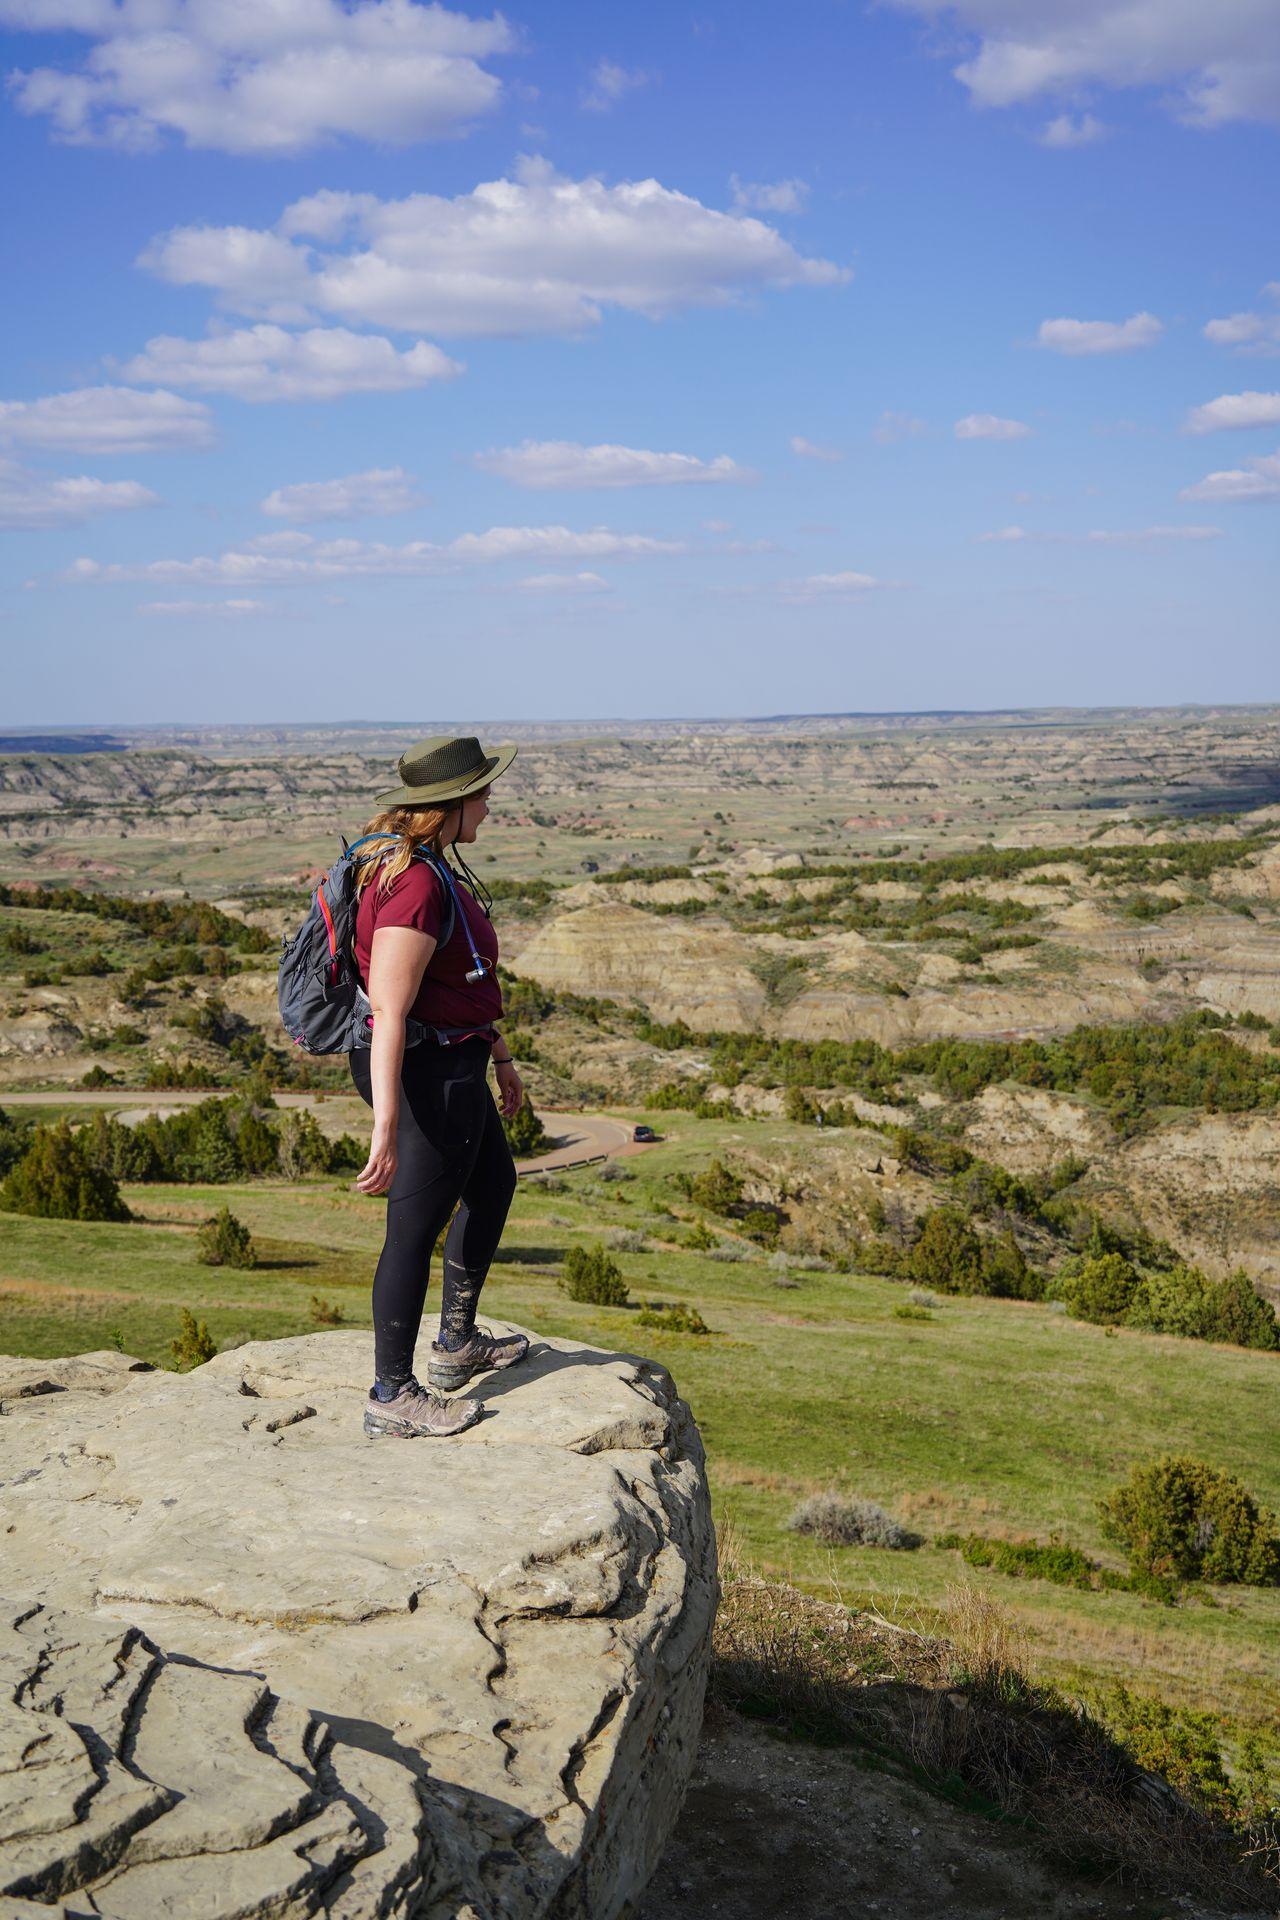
(478, 888)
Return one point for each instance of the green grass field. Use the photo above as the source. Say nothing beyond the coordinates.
(1004, 1417)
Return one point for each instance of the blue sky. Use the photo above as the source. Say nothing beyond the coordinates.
(384, 359)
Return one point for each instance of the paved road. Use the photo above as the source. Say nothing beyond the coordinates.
(577, 1136)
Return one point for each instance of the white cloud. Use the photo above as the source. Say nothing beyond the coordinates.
(1072, 130)
(1258, 479)
(545, 464)
(252, 270)
(204, 609)
(557, 543)
(285, 541)
(1216, 62)
(107, 420)
(1078, 337)
(830, 586)
(282, 559)
(609, 83)
(266, 363)
(380, 490)
(892, 427)
(31, 500)
(1103, 536)
(1234, 410)
(989, 426)
(534, 254)
(1146, 536)
(275, 78)
(1249, 332)
(810, 449)
(571, 583)
(762, 196)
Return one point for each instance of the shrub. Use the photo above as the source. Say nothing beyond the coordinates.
(730, 1251)
(946, 1253)
(98, 1076)
(1242, 1316)
(1065, 1566)
(19, 940)
(910, 1312)
(1180, 1745)
(761, 1225)
(1182, 1300)
(224, 1241)
(1026, 1559)
(1179, 1516)
(303, 1148)
(626, 1240)
(1005, 1272)
(843, 1522)
(614, 1170)
(257, 1144)
(882, 1257)
(56, 1180)
(194, 1344)
(326, 1313)
(591, 1276)
(525, 1133)
(673, 1319)
(716, 1188)
(15, 1139)
(1103, 1290)
(699, 1238)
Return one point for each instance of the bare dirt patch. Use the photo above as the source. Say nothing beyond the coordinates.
(774, 1829)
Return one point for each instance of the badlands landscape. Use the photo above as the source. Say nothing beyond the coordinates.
(961, 1038)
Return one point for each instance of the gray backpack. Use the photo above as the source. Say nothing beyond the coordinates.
(322, 1004)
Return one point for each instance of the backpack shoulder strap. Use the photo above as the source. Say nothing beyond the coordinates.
(448, 915)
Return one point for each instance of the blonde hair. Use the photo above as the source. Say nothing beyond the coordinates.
(413, 827)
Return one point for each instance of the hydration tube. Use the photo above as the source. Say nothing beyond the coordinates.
(481, 967)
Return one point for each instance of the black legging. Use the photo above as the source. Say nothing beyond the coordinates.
(450, 1149)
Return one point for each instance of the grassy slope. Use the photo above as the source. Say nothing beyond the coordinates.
(1002, 1416)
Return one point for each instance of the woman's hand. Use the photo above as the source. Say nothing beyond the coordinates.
(380, 1168)
(510, 1089)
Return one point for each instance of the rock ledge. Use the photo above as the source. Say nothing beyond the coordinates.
(256, 1665)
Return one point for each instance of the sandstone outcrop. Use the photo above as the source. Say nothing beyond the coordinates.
(256, 1665)
(37, 1033)
(674, 969)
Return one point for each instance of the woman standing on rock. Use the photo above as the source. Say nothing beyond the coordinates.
(438, 1142)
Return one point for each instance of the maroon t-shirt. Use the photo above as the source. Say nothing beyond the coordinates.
(416, 898)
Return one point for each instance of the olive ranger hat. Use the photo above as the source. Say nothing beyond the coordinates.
(447, 767)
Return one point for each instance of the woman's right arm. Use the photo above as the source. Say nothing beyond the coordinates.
(397, 961)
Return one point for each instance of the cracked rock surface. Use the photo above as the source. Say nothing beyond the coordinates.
(253, 1664)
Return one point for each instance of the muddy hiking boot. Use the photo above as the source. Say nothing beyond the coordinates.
(483, 1353)
(414, 1412)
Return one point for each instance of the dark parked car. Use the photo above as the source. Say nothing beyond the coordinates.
(644, 1133)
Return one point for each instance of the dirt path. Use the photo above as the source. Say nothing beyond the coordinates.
(577, 1136)
(775, 1830)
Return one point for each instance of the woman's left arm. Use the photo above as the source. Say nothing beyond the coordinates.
(510, 1085)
